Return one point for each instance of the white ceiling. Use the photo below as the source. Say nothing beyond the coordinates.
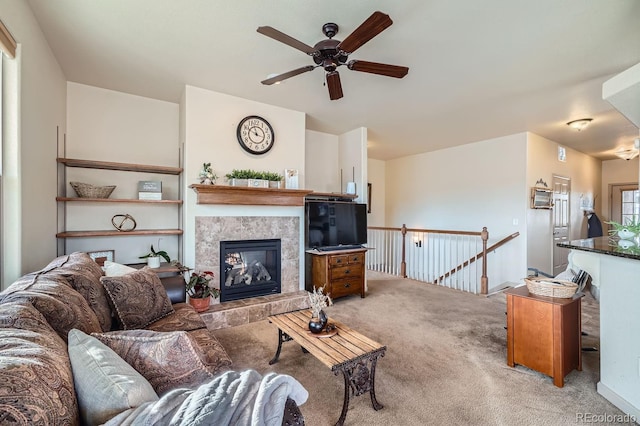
(478, 69)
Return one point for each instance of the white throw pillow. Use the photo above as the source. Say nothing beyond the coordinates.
(113, 269)
(105, 384)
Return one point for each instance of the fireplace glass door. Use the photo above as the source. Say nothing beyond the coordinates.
(249, 268)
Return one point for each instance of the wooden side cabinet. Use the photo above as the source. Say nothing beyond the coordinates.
(544, 333)
(341, 273)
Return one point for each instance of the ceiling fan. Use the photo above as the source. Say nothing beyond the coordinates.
(331, 54)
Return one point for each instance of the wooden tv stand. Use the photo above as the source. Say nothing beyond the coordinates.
(340, 272)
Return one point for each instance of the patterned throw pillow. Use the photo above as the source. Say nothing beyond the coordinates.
(167, 360)
(62, 306)
(35, 373)
(138, 298)
(185, 318)
(84, 276)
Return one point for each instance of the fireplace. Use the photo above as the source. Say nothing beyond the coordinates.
(249, 268)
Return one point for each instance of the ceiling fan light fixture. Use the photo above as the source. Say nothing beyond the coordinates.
(580, 123)
(627, 154)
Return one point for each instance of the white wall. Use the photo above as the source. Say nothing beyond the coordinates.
(113, 126)
(616, 172)
(352, 157)
(210, 122)
(321, 162)
(30, 223)
(376, 175)
(585, 174)
(466, 188)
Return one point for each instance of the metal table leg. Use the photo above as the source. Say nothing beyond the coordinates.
(359, 378)
(282, 337)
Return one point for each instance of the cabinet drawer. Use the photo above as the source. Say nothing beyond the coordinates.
(346, 271)
(347, 286)
(340, 260)
(346, 259)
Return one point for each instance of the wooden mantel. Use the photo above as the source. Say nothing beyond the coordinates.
(223, 194)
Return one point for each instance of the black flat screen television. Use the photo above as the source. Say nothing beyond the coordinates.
(335, 223)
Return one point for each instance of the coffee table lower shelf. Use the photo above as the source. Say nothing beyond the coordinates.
(348, 352)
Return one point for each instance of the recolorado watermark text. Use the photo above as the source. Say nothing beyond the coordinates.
(605, 418)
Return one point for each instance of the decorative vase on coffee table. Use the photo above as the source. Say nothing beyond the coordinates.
(316, 325)
(200, 304)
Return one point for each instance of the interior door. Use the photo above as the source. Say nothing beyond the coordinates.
(561, 192)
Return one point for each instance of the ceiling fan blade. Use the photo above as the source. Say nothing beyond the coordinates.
(374, 25)
(278, 78)
(286, 39)
(377, 68)
(335, 87)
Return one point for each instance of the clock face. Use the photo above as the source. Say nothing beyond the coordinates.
(255, 135)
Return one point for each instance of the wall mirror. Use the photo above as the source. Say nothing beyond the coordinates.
(541, 198)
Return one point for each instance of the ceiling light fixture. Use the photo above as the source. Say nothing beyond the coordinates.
(579, 124)
(627, 154)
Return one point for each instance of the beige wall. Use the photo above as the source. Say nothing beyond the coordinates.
(616, 172)
(210, 121)
(321, 162)
(41, 99)
(376, 173)
(352, 158)
(585, 174)
(113, 126)
(465, 188)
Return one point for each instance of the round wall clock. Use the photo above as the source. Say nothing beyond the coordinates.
(255, 135)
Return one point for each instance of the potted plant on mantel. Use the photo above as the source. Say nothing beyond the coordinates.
(200, 289)
(255, 179)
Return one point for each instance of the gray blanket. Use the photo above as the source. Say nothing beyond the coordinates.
(233, 398)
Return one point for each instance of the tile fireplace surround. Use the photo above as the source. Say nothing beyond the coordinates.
(210, 230)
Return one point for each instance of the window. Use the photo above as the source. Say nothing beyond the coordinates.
(630, 205)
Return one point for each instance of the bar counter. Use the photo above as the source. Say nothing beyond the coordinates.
(614, 266)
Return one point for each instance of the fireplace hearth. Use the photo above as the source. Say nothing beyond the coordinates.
(249, 268)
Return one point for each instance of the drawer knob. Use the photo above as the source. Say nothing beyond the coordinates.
(347, 271)
(339, 261)
(347, 285)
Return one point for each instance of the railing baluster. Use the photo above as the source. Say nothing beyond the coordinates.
(446, 258)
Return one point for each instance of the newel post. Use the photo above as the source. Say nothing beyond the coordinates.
(403, 263)
(484, 280)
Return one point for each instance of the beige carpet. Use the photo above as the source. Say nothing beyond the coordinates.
(445, 362)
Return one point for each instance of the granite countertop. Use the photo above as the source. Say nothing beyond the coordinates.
(611, 246)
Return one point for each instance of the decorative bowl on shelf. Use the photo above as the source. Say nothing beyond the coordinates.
(85, 190)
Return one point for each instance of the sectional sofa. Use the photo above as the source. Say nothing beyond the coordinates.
(80, 347)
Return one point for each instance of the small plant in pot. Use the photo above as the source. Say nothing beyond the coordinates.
(626, 231)
(153, 257)
(207, 176)
(318, 300)
(200, 289)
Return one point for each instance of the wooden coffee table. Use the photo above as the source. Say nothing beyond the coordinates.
(348, 352)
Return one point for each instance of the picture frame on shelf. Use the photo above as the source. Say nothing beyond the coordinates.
(291, 178)
(102, 256)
